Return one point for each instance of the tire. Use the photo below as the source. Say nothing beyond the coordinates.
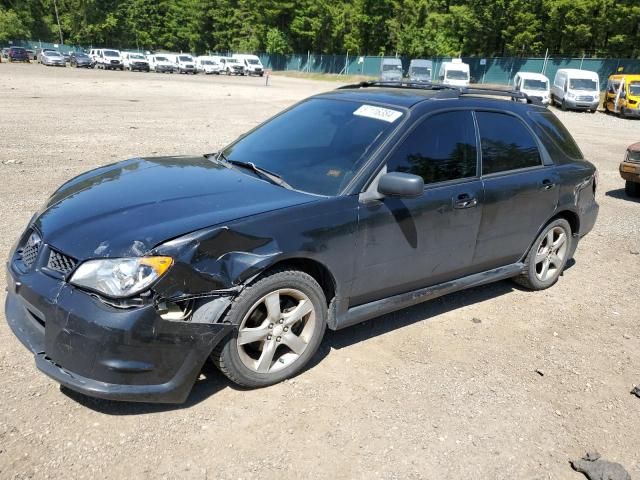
(632, 189)
(563, 106)
(534, 276)
(269, 359)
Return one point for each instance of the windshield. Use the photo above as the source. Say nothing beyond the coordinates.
(161, 59)
(253, 61)
(184, 58)
(81, 55)
(634, 88)
(231, 60)
(205, 62)
(49, 53)
(535, 85)
(582, 84)
(136, 56)
(457, 75)
(422, 71)
(318, 145)
(111, 53)
(389, 68)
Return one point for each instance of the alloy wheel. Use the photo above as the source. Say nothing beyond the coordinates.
(276, 330)
(551, 254)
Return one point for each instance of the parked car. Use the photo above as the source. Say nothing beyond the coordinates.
(576, 89)
(80, 59)
(251, 63)
(18, 54)
(630, 170)
(32, 54)
(52, 58)
(108, 59)
(207, 65)
(420, 70)
(391, 70)
(534, 85)
(5, 52)
(161, 64)
(231, 66)
(454, 73)
(134, 61)
(349, 205)
(184, 63)
(67, 56)
(622, 95)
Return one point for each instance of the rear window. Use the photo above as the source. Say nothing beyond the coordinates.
(558, 133)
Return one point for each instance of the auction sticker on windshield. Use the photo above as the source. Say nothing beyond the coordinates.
(378, 113)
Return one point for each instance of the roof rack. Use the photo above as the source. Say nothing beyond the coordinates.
(448, 91)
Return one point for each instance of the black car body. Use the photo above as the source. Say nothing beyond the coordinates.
(79, 60)
(18, 54)
(388, 221)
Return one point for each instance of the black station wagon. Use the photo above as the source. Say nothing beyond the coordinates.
(346, 206)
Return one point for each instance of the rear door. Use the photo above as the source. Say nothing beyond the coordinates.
(520, 192)
(406, 244)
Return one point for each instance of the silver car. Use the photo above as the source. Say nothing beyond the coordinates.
(52, 58)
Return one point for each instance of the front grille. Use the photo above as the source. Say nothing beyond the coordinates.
(29, 251)
(115, 62)
(59, 262)
(584, 99)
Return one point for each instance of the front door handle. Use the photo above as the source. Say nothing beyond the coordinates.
(464, 200)
(547, 184)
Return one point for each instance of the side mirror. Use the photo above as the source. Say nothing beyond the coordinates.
(402, 185)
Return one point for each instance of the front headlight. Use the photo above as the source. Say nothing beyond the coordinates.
(120, 277)
(570, 95)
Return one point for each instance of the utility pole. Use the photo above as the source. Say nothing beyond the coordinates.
(55, 6)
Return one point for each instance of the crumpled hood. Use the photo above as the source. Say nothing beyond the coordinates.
(127, 208)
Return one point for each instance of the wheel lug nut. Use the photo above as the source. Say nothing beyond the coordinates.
(269, 337)
(271, 325)
(278, 339)
(282, 320)
(286, 329)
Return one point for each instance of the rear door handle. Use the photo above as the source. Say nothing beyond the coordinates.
(547, 184)
(464, 200)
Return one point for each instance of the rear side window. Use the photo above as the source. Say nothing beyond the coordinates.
(441, 148)
(506, 143)
(558, 133)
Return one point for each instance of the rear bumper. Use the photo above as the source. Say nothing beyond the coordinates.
(100, 351)
(630, 171)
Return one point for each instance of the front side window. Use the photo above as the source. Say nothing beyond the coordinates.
(441, 148)
(318, 145)
(506, 143)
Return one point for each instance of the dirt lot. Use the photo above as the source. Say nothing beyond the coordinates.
(447, 389)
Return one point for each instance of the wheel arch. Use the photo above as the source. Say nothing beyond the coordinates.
(574, 222)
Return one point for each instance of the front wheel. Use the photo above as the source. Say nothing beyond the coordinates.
(632, 189)
(281, 320)
(548, 256)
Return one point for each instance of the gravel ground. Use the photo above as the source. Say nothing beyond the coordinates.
(447, 389)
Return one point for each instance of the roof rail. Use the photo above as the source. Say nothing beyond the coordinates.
(398, 84)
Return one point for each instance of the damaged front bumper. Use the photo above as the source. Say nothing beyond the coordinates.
(107, 352)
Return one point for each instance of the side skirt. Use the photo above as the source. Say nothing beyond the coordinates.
(397, 302)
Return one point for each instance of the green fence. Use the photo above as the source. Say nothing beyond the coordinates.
(499, 70)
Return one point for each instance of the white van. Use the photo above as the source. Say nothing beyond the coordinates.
(231, 66)
(208, 65)
(420, 70)
(161, 63)
(391, 70)
(252, 64)
(108, 59)
(183, 63)
(454, 73)
(576, 89)
(533, 85)
(135, 61)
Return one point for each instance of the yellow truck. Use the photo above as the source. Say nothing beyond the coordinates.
(623, 95)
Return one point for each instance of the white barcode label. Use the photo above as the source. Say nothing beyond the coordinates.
(378, 113)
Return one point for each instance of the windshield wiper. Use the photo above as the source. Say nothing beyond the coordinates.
(262, 172)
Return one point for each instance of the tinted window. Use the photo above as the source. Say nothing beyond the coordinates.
(506, 143)
(555, 130)
(319, 144)
(441, 148)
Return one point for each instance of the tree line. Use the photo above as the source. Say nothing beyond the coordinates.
(608, 28)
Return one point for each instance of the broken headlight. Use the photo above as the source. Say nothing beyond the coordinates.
(120, 277)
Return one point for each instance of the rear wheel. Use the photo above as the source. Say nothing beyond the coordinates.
(632, 189)
(563, 105)
(548, 256)
(281, 320)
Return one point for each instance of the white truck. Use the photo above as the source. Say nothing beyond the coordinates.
(576, 89)
(108, 59)
(135, 61)
(252, 64)
(454, 73)
(391, 70)
(208, 65)
(533, 85)
(183, 63)
(161, 63)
